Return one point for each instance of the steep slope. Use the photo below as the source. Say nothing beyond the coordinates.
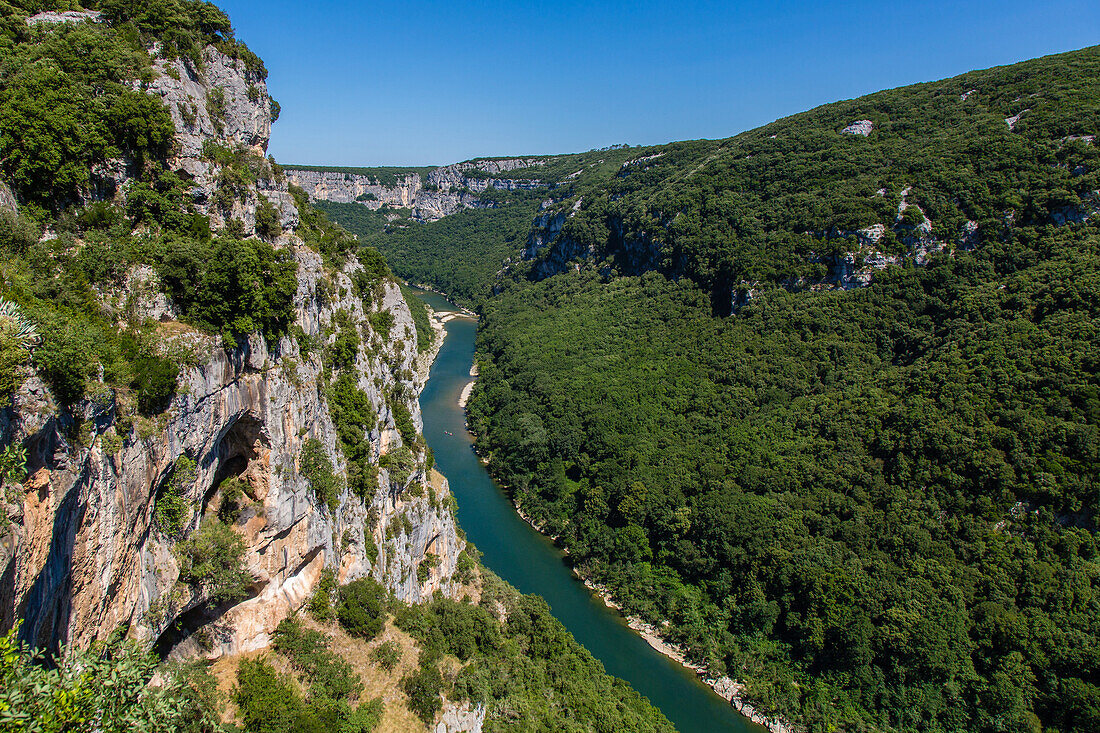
(302, 436)
(818, 401)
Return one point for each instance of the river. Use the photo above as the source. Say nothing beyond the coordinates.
(531, 562)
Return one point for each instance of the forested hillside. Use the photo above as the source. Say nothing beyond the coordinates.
(461, 254)
(874, 505)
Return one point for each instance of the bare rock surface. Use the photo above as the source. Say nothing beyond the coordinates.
(859, 127)
(445, 191)
(68, 16)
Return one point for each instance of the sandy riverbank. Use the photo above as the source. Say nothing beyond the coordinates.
(465, 396)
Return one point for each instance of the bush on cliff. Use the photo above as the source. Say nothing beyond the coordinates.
(213, 559)
(231, 286)
(362, 609)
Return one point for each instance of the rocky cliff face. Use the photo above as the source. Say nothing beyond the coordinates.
(552, 251)
(447, 190)
(83, 554)
(227, 104)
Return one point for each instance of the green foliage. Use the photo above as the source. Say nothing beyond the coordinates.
(216, 107)
(13, 463)
(18, 335)
(387, 655)
(464, 567)
(329, 676)
(345, 348)
(362, 609)
(460, 254)
(423, 686)
(72, 116)
(272, 703)
(267, 702)
(354, 417)
(332, 242)
(862, 503)
(269, 224)
(233, 493)
(231, 286)
(105, 688)
(321, 603)
(213, 559)
(529, 671)
(154, 377)
(400, 463)
(419, 309)
(402, 419)
(381, 322)
(316, 467)
(65, 358)
(172, 510)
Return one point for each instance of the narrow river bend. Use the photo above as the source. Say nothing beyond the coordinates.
(531, 563)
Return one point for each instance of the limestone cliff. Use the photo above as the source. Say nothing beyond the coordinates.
(446, 190)
(83, 554)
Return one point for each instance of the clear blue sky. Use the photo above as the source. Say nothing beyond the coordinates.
(394, 83)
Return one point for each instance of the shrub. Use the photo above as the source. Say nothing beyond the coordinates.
(402, 420)
(400, 464)
(387, 654)
(345, 348)
(13, 355)
(216, 107)
(381, 322)
(155, 380)
(353, 416)
(231, 286)
(105, 688)
(424, 569)
(65, 358)
(233, 497)
(315, 465)
(423, 687)
(464, 568)
(362, 608)
(270, 703)
(321, 603)
(171, 510)
(329, 676)
(269, 223)
(212, 559)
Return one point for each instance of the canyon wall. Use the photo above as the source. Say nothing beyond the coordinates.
(83, 552)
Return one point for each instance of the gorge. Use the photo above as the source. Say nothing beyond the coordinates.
(817, 406)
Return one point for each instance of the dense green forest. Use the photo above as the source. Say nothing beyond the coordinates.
(875, 507)
(464, 254)
(460, 254)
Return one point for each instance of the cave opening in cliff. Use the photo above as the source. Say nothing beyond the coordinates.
(241, 454)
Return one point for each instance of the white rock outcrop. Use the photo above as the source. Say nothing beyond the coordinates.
(67, 16)
(859, 127)
(446, 190)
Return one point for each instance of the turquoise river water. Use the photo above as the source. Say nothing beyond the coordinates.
(531, 562)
